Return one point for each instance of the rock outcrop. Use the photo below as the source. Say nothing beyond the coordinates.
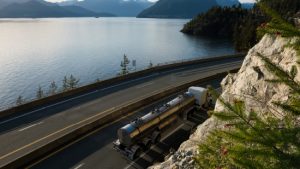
(248, 85)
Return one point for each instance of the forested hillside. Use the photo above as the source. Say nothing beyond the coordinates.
(177, 8)
(238, 23)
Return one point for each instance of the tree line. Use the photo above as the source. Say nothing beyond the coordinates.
(68, 83)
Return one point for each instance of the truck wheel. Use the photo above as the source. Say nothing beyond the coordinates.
(156, 137)
(146, 144)
(136, 152)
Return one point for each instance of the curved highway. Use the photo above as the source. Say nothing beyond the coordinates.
(96, 151)
(27, 131)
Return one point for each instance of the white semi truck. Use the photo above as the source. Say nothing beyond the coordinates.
(141, 133)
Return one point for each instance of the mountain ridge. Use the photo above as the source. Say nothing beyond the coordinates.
(117, 7)
(42, 9)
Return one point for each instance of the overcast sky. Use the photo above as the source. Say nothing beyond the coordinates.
(149, 0)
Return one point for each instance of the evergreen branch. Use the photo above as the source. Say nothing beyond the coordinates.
(257, 100)
(224, 117)
(256, 130)
(255, 151)
(213, 92)
(242, 163)
(278, 23)
(294, 109)
(280, 73)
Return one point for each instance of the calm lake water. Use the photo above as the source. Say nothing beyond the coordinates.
(35, 52)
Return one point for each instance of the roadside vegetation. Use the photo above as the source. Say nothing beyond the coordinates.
(68, 83)
(124, 65)
(20, 101)
(248, 140)
(71, 82)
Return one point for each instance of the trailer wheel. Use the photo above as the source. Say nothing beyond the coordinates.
(147, 144)
(156, 137)
(136, 152)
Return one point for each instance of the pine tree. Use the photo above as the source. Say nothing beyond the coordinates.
(124, 65)
(251, 141)
(20, 100)
(70, 83)
(73, 82)
(65, 86)
(52, 88)
(39, 93)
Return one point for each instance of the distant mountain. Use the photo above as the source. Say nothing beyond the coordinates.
(117, 7)
(4, 3)
(228, 2)
(177, 8)
(67, 2)
(85, 12)
(42, 9)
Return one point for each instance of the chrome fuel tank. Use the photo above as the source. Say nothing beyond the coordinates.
(154, 119)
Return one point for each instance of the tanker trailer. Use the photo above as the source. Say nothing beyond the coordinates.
(141, 133)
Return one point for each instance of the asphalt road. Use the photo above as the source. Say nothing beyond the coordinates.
(96, 150)
(26, 131)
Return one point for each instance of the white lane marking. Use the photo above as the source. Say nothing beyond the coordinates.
(173, 70)
(209, 69)
(28, 127)
(144, 85)
(79, 166)
(129, 81)
(111, 87)
(29, 113)
(145, 153)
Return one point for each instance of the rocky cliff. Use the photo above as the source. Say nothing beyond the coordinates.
(248, 85)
